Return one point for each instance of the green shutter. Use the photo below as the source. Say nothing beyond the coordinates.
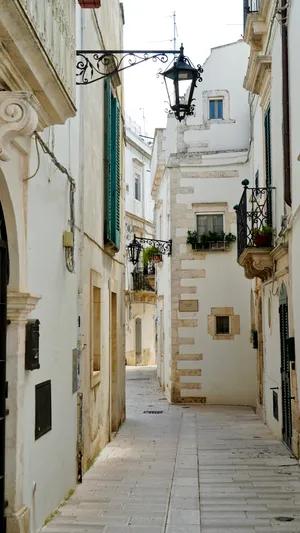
(268, 158)
(115, 172)
(107, 166)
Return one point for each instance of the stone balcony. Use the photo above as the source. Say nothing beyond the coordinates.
(37, 54)
(254, 214)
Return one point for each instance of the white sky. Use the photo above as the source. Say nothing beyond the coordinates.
(202, 24)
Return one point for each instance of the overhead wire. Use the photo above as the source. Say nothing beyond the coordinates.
(69, 251)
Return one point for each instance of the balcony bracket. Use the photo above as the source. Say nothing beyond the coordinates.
(257, 263)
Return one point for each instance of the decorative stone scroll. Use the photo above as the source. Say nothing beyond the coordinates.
(17, 118)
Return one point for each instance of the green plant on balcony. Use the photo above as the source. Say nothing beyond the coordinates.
(209, 240)
(263, 237)
(151, 254)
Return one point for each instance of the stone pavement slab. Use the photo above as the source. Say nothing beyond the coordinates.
(189, 469)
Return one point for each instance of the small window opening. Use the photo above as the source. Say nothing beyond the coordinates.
(222, 325)
(215, 109)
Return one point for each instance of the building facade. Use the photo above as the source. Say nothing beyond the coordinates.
(272, 80)
(101, 200)
(204, 321)
(56, 254)
(140, 296)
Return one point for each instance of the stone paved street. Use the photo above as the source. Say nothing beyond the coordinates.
(190, 469)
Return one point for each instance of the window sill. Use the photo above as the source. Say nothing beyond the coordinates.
(223, 337)
(221, 248)
(220, 121)
(95, 378)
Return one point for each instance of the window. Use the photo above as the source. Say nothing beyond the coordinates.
(112, 168)
(127, 187)
(43, 411)
(206, 223)
(96, 329)
(222, 325)
(215, 109)
(257, 179)
(137, 187)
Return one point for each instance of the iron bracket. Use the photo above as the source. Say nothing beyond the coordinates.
(164, 247)
(94, 65)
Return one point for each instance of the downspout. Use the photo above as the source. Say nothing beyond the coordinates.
(80, 441)
(285, 105)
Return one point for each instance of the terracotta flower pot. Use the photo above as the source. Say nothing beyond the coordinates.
(263, 240)
(156, 258)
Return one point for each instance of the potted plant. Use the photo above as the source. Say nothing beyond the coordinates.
(209, 240)
(262, 238)
(151, 254)
(192, 238)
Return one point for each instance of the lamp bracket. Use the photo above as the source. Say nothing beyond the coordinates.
(94, 65)
(164, 247)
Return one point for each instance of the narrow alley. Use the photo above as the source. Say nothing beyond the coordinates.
(185, 469)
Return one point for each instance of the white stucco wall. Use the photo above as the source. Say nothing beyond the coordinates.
(139, 221)
(207, 160)
(48, 216)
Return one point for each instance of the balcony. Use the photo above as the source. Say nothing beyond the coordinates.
(255, 234)
(37, 54)
(250, 6)
(142, 286)
(142, 281)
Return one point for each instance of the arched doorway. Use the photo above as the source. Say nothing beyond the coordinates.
(4, 273)
(285, 367)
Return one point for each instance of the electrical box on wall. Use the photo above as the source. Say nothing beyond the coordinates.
(68, 239)
(32, 355)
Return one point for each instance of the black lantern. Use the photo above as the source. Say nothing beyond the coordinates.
(134, 250)
(184, 76)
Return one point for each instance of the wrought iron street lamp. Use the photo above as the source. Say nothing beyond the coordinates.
(184, 76)
(94, 65)
(135, 247)
(134, 251)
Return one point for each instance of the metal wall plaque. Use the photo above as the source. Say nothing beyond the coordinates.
(188, 305)
(75, 371)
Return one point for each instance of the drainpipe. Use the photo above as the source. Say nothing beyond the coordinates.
(80, 346)
(286, 104)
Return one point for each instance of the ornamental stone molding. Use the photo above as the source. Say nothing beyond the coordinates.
(257, 263)
(19, 305)
(17, 118)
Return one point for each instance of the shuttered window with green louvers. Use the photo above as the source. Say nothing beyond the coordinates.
(112, 168)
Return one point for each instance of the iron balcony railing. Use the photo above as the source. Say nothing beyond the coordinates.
(250, 6)
(140, 281)
(254, 217)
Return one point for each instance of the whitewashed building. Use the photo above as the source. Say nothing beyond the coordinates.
(272, 79)
(53, 247)
(140, 294)
(204, 321)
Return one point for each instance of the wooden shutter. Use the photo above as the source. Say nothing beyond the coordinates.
(107, 159)
(115, 172)
(268, 159)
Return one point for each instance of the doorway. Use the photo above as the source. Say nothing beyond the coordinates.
(285, 368)
(3, 319)
(138, 341)
(114, 364)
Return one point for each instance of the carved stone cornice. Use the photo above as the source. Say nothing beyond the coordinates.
(17, 118)
(257, 263)
(37, 53)
(280, 251)
(19, 305)
(258, 73)
(255, 29)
